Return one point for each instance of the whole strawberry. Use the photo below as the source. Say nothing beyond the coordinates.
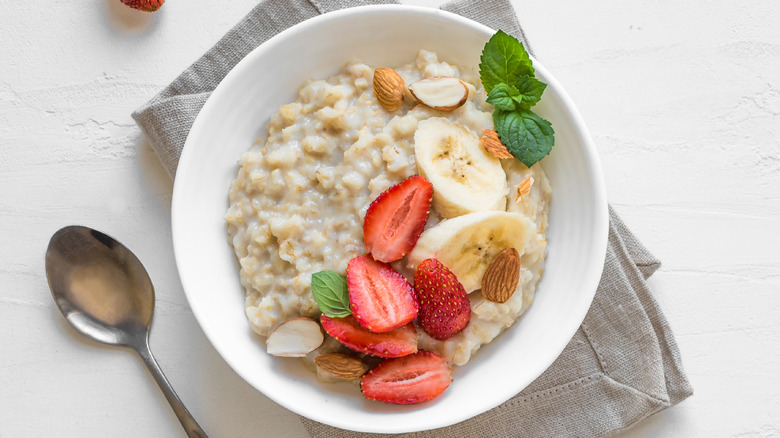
(144, 5)
(444, 305)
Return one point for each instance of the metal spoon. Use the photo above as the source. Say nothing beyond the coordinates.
(104, 292)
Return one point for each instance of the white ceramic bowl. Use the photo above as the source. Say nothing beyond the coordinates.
(236, 114)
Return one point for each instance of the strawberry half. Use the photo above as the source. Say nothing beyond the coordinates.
(444, 305)
(380, 298)
(409, 379)
(144, 5)
(348, 331)
(395, 220)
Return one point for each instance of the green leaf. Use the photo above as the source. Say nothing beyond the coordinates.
(531, 90)
(504, 97)
(527, 136)
(330, 292)
(526, 94)
(503, 59)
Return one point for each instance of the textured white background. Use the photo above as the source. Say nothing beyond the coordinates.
(683, 101)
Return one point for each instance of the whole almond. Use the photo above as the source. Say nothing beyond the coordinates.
(341, 365)
(389, 88)
(492, 144)
(500, 279)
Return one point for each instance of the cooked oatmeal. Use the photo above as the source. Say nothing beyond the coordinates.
(301, 193)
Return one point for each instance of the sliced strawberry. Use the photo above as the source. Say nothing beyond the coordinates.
(409, 379)
(348, 331)
(444, 305)
(380, 298)
(396, 219)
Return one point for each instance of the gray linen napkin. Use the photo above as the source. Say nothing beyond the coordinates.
(622, 364)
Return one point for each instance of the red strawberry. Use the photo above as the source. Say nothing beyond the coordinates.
(144, 5)
(380, 298)
(444, 305)
(409, 379)
(396, 219)
(348, 331)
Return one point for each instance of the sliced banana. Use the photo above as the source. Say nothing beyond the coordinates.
(465, 178)
(467, 244)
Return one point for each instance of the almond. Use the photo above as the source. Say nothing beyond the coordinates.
(296, 337)
(389, 88)
(343, 366)
(492, 144)
(500, 279)
(444, 93)
(524, 187)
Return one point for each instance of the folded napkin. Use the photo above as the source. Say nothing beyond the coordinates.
(622, 364)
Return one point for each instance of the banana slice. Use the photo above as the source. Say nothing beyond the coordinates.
(467, 244)
(465, 178)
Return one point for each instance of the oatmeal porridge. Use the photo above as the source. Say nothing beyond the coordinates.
(302, 191)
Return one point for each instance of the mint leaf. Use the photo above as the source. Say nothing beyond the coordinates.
(504, 97)
(531, 90)
(527, 136)
(503, 59)
(526, 94)
(330, 292)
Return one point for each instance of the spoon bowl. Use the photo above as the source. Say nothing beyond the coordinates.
(105, 293)
(100, 286)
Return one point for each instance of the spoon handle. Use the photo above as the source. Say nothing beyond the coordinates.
(189, 424)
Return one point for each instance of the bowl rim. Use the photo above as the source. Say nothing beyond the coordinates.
(601, 215)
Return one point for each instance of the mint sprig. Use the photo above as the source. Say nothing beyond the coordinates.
(330, 293)
(507, 74)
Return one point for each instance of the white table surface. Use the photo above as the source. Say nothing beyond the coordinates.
(682, 99)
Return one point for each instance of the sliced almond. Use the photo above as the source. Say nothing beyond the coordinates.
(524, 187)
(296, 337)
(492, 144)
(342, 366)
(500, 279)
(389, 88)
(443, 93)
